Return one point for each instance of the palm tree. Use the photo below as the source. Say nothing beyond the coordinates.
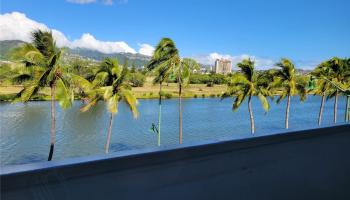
(347, 90)
(286, 80)
(43, 57)
(110, 84)
(344, 89)
(321, 73)
(182, 72)
(164, 59)
(246, 84)
(339, 75)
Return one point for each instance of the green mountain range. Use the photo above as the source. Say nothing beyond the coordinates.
(6, 46)
(138, 60)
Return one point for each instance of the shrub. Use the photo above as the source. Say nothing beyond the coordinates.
(218, 79)
(199, 78)
(168, 95)
(208, 79)
(203, 95)
(210, 84)
(162, 93)
(7, 97)
(212, 95)
(137, 79)
(195, 96)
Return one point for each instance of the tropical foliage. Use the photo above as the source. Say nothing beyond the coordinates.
(246, 84)
(323, 86)
(109, 83)
(288, 85)
(333, 80)
(136, 79)
(182, 72)
(339, 75)
(164, 60)
(42, 68)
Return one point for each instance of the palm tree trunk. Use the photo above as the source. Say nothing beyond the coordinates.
(160, 111)
(109, 133)
(321, 109)
(287, 112)
(53, 123)
(251, 115)
(180, 112)
(335, 106)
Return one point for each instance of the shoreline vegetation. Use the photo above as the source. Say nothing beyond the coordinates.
(147, 91)
(40, 72)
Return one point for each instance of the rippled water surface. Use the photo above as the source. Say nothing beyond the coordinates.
(25, 128)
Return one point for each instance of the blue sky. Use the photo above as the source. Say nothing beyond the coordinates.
(307, 31)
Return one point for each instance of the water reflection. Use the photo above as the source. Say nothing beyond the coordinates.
(25, 128)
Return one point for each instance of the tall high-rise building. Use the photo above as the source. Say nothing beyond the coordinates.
(223, 66)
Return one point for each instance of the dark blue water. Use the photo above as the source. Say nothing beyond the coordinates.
(25, 128)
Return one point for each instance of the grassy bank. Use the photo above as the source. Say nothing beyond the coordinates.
(7, 93)
(148, 91)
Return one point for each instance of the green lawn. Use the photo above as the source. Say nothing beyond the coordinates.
(147, 91)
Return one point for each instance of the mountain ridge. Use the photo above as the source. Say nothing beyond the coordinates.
(137, 59)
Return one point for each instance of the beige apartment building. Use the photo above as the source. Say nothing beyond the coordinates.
(223, 66)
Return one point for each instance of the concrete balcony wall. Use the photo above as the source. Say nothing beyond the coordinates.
(312, 164)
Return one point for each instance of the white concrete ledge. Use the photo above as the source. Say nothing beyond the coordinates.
(311, 164)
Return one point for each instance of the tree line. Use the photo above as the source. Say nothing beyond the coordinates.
(111, 82)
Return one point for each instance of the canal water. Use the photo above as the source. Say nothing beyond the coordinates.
(25, 128)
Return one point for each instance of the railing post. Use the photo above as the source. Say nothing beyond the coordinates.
(347, 111)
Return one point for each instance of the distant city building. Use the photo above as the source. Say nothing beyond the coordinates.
(223, 66)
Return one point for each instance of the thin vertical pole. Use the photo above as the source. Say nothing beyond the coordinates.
(180, 105)
(347, 111)
(335, 107)
(160, 111)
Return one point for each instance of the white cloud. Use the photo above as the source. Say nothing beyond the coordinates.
(16, 26)
(61, 39)
(209, 59)
(263, 63)
(88, 41)
(146, 49)
(307, 64)
(81, 1)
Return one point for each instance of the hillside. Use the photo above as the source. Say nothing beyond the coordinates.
(136, 59)
(6, 46)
